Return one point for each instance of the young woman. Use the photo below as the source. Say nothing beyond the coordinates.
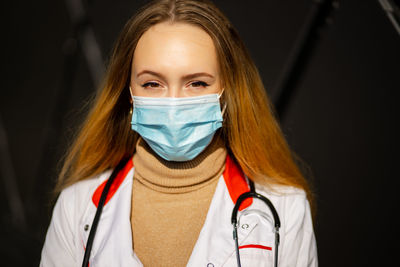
(183, 127)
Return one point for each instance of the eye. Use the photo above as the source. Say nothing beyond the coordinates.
(199, 84)
(150, 85)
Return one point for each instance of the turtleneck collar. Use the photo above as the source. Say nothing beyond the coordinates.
(165, 176)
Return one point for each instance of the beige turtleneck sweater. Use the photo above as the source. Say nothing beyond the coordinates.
(170, 201)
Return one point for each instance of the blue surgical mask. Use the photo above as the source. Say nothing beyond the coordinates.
(177, 129)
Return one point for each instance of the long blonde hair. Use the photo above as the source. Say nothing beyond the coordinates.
(250, 130)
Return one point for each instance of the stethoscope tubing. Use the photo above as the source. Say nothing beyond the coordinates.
(277, 222)
(99, 210)
(242, 197)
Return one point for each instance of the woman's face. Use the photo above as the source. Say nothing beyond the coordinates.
(175, 60)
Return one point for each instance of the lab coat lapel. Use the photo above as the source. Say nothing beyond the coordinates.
(215, 245)
(215, 242)
(112, 245)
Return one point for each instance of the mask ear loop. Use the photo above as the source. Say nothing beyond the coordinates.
(131, 100)
(224, 107)
(130, 92)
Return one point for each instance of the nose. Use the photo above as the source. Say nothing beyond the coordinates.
(175, 91)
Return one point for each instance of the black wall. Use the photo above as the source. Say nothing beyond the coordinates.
(341, 118)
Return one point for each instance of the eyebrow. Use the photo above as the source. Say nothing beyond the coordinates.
(185, 77)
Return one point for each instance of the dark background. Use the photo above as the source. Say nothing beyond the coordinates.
(341, 118)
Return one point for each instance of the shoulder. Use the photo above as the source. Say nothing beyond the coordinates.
(81, 188)
(282, 193)
(86, 193)
(78, 195)
(291, 204)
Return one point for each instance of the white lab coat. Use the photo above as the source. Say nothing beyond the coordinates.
(76, 206)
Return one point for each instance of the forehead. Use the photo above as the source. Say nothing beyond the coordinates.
(175, 45)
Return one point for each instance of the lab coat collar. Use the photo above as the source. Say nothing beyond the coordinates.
(234, 179)
(215, 245)
(114, 186)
